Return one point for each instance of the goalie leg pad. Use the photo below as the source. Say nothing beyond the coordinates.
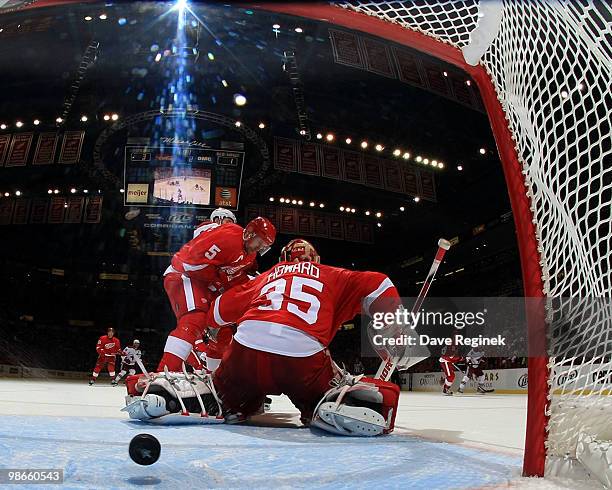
(358, 406)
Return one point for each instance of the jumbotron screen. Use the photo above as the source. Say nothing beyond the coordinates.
(178, 176)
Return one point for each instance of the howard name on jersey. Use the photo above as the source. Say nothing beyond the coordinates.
(301, 298)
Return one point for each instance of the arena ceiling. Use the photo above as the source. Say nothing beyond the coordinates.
(92, 59)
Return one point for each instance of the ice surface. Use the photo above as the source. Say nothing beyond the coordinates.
(440, 442)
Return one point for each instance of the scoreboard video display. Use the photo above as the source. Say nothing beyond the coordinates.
(180, 176)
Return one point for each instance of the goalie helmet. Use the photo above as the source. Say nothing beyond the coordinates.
(299, 250)
(259, 235)
(219, 216)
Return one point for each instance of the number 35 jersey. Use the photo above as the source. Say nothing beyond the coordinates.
(295, 308)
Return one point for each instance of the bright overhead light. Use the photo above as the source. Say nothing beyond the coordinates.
(434, 163)
(84, 118)
(261, 125)
(419, 158)
(224, 83)
(367, 213)
(158, 57)
(7, 194)
(18, 193)
(211, 56)
(445, 73)
(181, 4)
(103, 17)
(353, 210)
(319, 136)
(312, 204)
(417, 199)
(397, 152)
(482, 151)
(321, 205)
(55, 191)
(106, 117)
(303, 132)
(460, 167)
(240, 100)
(341, 208)
(402, 208)
(122, 191)
(18, 124)
(348, 141)
(440, 165)
(379, 215)
(379, 225)
(282, 199)
(59, 120)
(275, 26)
(114, 117)
(271, 199)
(426, 161)
(406, 156)
(379, 147)
(73, 191)
(2, 126)
(300, 202)
(468, 83)
(238, 124)
(88, 18)
(85, 191)
(49, 191)
(299, 30)
(329, 137)
(364, 144)
(36, 122)
(294, 201)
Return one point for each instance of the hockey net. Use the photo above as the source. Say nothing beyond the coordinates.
(550, 65)
(544, 70)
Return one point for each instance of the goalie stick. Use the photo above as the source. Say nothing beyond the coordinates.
(389, 364)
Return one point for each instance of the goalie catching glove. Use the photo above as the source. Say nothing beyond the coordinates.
(358, 406)
(171, 397)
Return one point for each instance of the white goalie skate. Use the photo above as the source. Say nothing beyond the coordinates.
(176, 398)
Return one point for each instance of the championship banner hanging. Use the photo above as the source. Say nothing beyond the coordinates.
(288, 221)
(321, 226)
(5, 141)
(428, 187)
(38, 213)
(57, 209)
(345, 46)
(71, 147)
(6, 211)
(285, 154)
(410, 180)
(74, 212)
(336, 228)
(45, 149)
(330, 157)
(20, 212)
(378, 58)
(19, 150)
(309, 159)
(393, 176)
(373, 171)
(93, 210)
(305, 223)
(353, 167)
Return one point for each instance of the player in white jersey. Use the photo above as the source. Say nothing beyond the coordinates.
(474, 361)
(128, 360)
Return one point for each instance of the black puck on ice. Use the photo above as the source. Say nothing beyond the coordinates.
(144, 449)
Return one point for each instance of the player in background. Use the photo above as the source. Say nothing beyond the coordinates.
(450, 356)
(219, 216)
(214, 261)
(286, 319)
(108, 347)
(475, 361)
(128, 360)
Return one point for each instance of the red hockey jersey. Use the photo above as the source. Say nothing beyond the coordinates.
(106, 346)
(216, 254)
(296, 308)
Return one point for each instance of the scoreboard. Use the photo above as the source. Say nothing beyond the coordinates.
(181, 176)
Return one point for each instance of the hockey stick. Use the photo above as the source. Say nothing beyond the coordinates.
(389, 364)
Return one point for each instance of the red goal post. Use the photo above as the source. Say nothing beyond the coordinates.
(535, 451)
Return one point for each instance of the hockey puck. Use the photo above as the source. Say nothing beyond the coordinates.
(144, 449)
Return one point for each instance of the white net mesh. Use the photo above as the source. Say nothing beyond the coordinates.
(550, 64)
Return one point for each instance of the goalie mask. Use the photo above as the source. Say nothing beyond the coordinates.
(299, 250)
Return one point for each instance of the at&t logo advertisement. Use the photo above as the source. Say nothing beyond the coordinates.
(226, 197)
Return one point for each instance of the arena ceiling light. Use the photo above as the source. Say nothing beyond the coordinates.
(224, 83)
(238, 124)
(406, 156)
(319, 136)
(103, 17)
(402, 208)
(114, 117)
(348, 141)
(50, 191)
(2, 126)
(59, 120)
(88, 18)
(83, 118)
(419, 158)
(330, 137)
(239, 100)
(18, 124)
(417, 199)
(18, 193)
(275, 26)
(482, 151)
(379, 147)
(364, 144)
(379, 214)
(397, 152)
(7, 194)
(55, 191)
(271, 199)
(299, 30)
(460, 167)
(379, 225)
(262, 125)
(85, 191)
(36, 122)
(312, 204)
(73, 191)
(106, 117)
(321, 205)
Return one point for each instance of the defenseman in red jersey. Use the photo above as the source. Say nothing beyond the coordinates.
(108, 347)
(450, 356)
(214, 261)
